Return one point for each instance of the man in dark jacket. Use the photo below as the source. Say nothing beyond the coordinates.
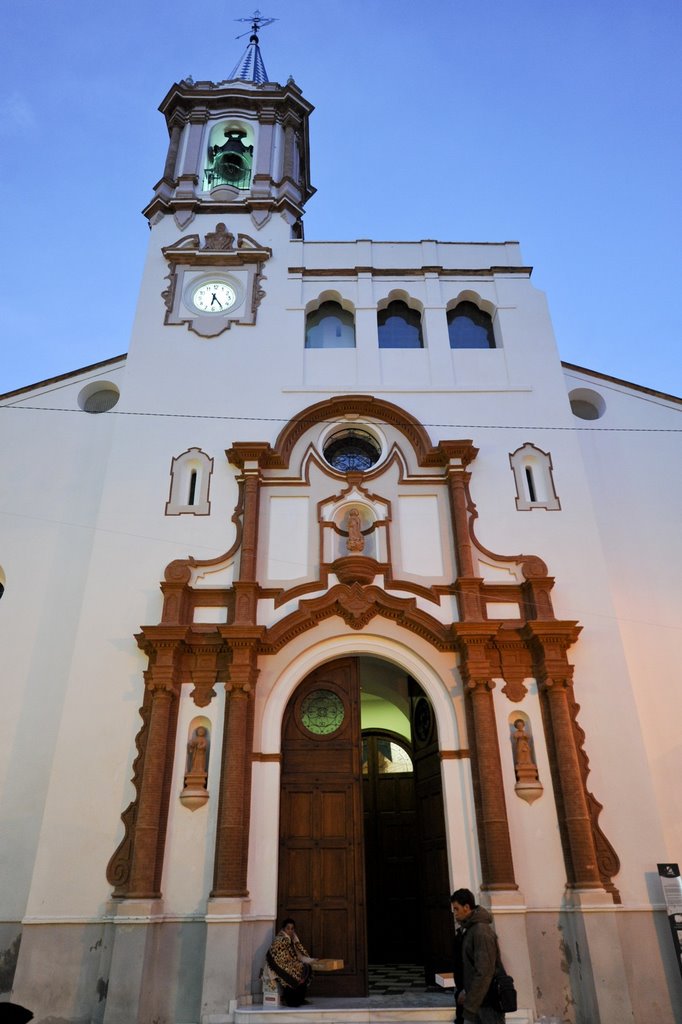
(480, 956)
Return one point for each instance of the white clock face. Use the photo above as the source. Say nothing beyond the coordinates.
(214, 297)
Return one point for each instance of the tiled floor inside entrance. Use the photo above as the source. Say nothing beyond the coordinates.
(394, 979)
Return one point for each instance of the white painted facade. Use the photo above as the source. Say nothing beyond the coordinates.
(86, 538)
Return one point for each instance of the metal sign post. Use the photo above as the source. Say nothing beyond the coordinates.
(672, 892)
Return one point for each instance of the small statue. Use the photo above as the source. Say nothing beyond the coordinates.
(526, 769)
(355, 542)
(197, 749)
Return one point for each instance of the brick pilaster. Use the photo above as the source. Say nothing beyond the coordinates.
(583, 868)
(232, 835)
(475, 641)
(147, 853)
(550, 643)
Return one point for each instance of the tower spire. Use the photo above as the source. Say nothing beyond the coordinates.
(250, 67)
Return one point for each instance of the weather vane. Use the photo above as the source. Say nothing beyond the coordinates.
(257, 23)
(251, 67)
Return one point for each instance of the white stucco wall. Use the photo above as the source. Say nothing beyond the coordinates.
(86, 540)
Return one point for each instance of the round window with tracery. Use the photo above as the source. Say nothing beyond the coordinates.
(352, 450)
(322, 712)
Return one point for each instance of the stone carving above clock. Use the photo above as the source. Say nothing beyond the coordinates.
(214, 285)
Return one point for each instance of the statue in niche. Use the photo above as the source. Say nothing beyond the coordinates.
(526, 769)
(197, 758)
(355, 542)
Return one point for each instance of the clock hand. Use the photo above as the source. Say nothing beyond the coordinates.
(216, 299)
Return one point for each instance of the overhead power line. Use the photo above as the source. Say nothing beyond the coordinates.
(305, 419)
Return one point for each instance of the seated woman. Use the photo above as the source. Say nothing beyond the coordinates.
(290, 963)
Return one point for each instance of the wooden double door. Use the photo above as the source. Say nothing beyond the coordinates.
(355, 881)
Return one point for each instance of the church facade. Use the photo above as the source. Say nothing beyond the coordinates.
(351, 594)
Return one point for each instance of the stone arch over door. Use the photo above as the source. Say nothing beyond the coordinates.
(460, 821)
(313, 654)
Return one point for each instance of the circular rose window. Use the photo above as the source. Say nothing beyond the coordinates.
(322, 712)
(352, 450)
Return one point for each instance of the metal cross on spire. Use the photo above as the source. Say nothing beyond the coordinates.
(250, 67)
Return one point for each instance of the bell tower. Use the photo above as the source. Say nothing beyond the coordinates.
(239, 146)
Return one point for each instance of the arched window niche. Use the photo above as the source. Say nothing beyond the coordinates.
(399, 324)
(470, 326)
(98, 396)
(229, 155)
(355, 532)
(330, 325)
(587, 404)
(190, 478)
(534, 479)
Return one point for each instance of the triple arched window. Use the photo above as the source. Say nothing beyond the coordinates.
(399, 326)
(470, 327)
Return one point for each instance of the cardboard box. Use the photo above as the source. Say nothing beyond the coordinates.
(327, 965)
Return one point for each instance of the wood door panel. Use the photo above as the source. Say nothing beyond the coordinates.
(336, 937)
(300, 813)
(321, 872)
(436, 916)
(328, 762)
(299, 871)
(395, 793)
(335, 882)
(335, 811)
(391, 862)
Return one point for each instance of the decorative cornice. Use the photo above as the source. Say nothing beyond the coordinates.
(186, 250)
(236, 97)
(358, 406)
(242, 452)
(357, 606)
(461, 453)
(335, 272)
(356, 569)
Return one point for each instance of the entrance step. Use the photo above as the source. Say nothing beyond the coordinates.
(348, 1011)
(345, 1011)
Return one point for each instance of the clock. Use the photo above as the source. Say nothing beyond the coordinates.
(214, 297)
(216, 285)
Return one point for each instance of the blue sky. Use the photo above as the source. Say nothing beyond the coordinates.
(553, 124)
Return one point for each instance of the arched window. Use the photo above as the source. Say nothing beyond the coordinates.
(470, 327)
(400, 326)
(330, 326)
(532, 470)
(190, 479)
(229, 158)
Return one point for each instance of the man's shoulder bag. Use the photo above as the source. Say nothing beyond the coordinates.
(502, 994)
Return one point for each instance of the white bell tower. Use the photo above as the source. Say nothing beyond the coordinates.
(236, 147)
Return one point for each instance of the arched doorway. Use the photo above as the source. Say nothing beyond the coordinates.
(363, 861)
